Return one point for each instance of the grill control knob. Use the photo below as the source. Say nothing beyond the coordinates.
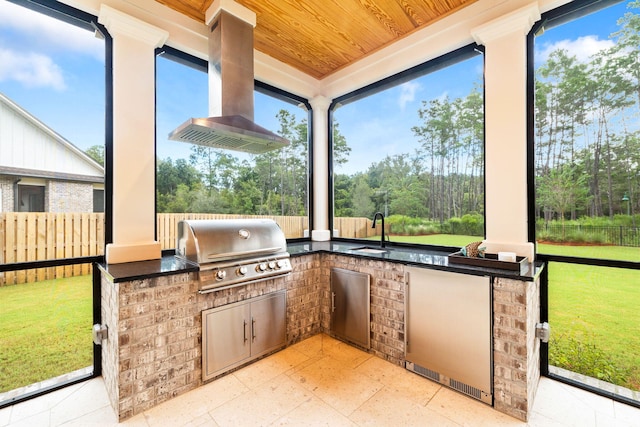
(282, 263)
(242, 271)
(221, 274)
(272, 265)
(261, 267)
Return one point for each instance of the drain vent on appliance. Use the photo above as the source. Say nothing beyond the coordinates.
(425, 372)
(471, 391)
(465, 388)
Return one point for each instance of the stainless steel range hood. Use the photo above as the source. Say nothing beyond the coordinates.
(231, 123)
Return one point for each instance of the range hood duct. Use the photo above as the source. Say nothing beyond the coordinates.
(231, 123)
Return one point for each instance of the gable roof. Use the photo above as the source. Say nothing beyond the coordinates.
(28, 147)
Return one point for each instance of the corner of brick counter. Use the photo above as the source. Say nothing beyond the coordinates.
(516, 350)
(304, 286)
(153, 350)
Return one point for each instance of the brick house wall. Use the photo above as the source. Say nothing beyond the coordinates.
(65, 196)
(6, 189)
(59, 196)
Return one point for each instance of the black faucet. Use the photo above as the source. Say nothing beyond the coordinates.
(375, 217)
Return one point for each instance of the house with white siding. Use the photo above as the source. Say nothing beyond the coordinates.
(40, 170)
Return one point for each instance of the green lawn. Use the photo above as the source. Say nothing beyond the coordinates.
(622, 253)
(45, 330)
(598, 307)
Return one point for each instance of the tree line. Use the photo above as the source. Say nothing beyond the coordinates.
(587, 153)
(214, 180)
(441, 179)
(587, 138)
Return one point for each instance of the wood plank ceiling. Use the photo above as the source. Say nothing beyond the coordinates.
(321, 37)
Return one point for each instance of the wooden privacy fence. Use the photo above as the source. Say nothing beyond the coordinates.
(39, 236)
(355, 228)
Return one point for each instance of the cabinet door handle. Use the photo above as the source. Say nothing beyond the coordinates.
(244, 330)
(253, 329)
(333, 302)
(406, 312)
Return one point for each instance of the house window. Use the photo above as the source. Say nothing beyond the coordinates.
(412, 148)
(98, 200)
(204, 182)
(30, 198)
(586, 218)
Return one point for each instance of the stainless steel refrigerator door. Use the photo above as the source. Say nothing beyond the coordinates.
(448, 327)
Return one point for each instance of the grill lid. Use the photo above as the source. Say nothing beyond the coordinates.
(210, 241)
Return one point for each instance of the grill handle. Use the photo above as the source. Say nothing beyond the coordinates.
(244, 253)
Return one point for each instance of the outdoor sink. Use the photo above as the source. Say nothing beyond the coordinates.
(370, 250)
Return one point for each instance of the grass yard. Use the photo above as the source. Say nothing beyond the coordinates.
(45, 330)
(593, 313)
(598, 308)
(621, 253)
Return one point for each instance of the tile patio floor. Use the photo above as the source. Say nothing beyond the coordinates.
(320, 382)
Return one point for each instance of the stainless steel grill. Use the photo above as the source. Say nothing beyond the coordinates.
(233, 252)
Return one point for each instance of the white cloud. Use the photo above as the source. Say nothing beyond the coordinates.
(49, 33)
(582, 47)
(407, 93)
(30, 69)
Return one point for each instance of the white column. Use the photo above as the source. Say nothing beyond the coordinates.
(134, 42)
(506, 129)
(320, 230)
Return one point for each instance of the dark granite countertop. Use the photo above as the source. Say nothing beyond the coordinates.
(167, 265)
(415, 256)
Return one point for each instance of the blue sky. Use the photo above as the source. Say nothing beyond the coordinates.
(55, 72)
(49, 69)
(381, 124)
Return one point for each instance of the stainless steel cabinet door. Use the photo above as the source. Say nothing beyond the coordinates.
(228, 338)
(268, 328)
(350, 306)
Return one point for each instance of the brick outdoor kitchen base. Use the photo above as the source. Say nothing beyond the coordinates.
(153, 351)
